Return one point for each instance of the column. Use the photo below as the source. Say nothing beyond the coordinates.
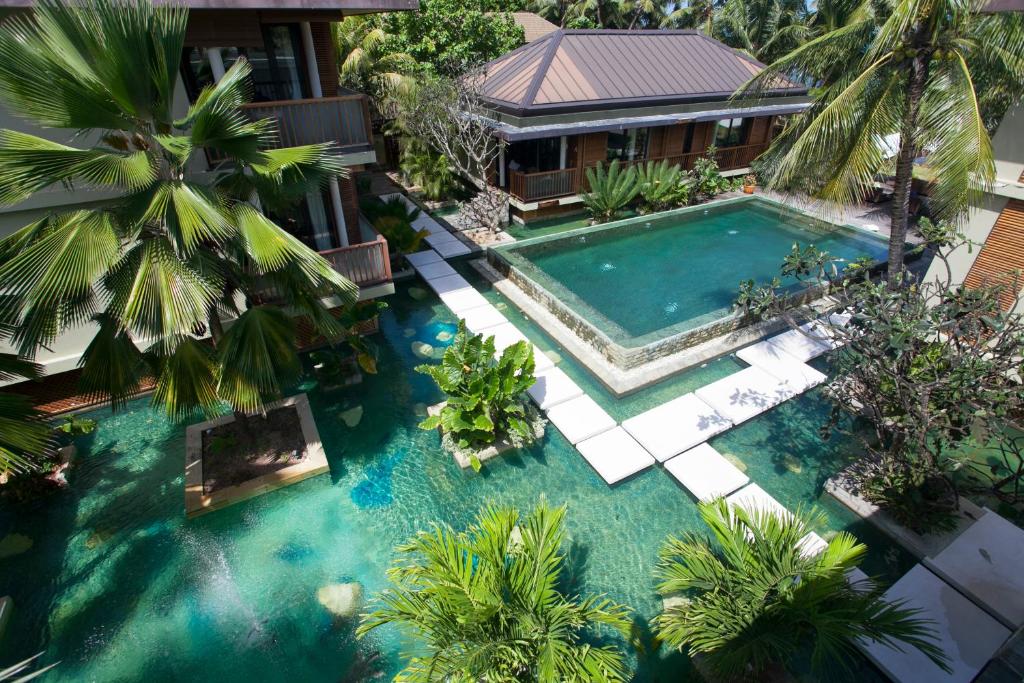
(501, 165)
(563, 148)
(216, 63)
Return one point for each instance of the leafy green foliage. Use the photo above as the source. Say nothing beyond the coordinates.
(428, 170)
(368, 62)
(173, 252)
(662, 186)
(611, 190)
(393, 219)
(756, 597)
(332, 365)
(73, 425)
(707, 180)
(486, 605)
(485, 398)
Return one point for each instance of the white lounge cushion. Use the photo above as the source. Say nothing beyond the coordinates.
(676, 426)
(705, 473)
(580, 418)
(615, 455)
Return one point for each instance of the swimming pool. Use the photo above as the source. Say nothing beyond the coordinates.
(641, 281)
(120, 586)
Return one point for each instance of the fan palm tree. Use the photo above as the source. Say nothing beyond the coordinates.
(158, 266)
(485, 604)
(367, 64)
(25, 435)
(912, 74)
(755, 596)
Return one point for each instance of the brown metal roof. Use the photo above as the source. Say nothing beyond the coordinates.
(577, 70)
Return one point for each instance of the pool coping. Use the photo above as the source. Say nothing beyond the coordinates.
(596, 330)
(315, 463)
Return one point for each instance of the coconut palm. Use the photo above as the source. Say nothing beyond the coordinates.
(485, 604)
(367, 64)
(764, 29)
(755, 595)
(911, 74)
(691, 14)
(160, 264)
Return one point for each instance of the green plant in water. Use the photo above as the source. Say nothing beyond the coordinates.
(611, 191)
(485, 604)
(393, 219)
(661, 186)
(72, 425)
(333, 366)
(485, 397)
(26, 438)
(756, 597)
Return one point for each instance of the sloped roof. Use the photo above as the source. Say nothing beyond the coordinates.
(570, 70)
(534, 25)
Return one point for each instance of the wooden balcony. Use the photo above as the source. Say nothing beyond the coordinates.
(544, 185)
(344, 120)
(365, 264)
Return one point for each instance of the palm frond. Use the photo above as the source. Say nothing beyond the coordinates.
(257, 358)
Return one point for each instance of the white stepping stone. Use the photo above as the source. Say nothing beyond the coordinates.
(505, 335)
(432, 271)
(753, 498)
(799, 345)
(451, 249)
(541, 361)
(457, 294)
(963, 631)
(422, 258)
(580, 418)
(676, 426)
(782, 366)
(812, 544)
(553, 387)
(615, 455)
(744, 394)
(479, 319)
(705, 473)
(451, 283)
(425, 222)
(984, 563)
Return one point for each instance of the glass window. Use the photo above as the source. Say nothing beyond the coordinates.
(308, 220)
(618, 146)
(531, 156)
(730, 133)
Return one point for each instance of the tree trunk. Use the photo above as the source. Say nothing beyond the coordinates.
(900, 217)
(216, 326)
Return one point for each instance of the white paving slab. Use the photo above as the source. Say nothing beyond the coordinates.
(479, 319)
(451, 283)
(541, 361)
(458, 298)
(450, 249)
(965, 633)
(615, 455)
(553, 387)
(505, 335)
(432, 271)
(425, 222)
(779, 364)
(422, 258)
(812, 544)
(744, 394)
(799, 345)
(676, 426)
(985, 562)
(753, 498)
(580, 418)
(705, 473)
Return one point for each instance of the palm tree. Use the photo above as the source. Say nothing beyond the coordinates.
(691, 14)
(611, 190)
(25, 435)
(160, 264)
(485, 604)
(754, 596)
(367, 64)
(764, 29)
(912, 74)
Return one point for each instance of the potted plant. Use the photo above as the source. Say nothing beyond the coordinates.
(486, 411)
(749, 183)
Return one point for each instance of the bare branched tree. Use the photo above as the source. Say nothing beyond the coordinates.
(922, 375)
(448, 115)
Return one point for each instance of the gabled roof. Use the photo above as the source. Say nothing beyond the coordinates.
(534, 25)
(579, 70)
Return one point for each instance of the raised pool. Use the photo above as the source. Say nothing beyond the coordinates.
(119, 586)
(644, 279)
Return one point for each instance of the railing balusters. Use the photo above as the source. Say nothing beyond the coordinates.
(364, 264)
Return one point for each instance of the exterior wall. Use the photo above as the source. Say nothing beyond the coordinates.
(326, 57)
(1002, 253)
(350, 205)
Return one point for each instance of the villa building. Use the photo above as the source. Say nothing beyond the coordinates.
(575, 98)
(295, 82)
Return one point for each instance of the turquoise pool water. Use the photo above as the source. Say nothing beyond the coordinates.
(119, 586)
(636, 279)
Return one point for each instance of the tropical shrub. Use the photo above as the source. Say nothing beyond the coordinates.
(172, 252)
(393, 219)
(485, 604)
(706, 180)
(428, 170)
(661, 186)
(755, 597)
(333, 364)
(485, 397)
(611, 191)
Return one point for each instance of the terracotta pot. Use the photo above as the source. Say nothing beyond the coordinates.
(749, 189)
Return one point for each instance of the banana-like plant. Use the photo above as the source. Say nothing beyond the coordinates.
(756, 597)
(611, 191)
(662, 186)
(485, 397)
(486, 605)
(158, 265)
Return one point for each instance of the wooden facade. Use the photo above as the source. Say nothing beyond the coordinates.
(1002, 254)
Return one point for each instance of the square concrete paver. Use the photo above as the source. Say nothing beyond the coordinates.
(615, 455)
(812, 544)
(432, 271)
(456, 293)
(779, 364)
(753, 498)
(479, 319)
(580, 418)
(676, 426)
(744, 394)
(553, 387)
(799, 345)
(422, 258)
(505, 335)
(705, 473)
(964, 632)
(425, 222)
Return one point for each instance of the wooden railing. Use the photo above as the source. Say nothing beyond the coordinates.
(344, 120)
(364, 264)
(532, 187)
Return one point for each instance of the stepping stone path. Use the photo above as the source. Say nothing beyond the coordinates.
(580, 418)
(553, 387)
(705, 473)
(745, 394)
(676, 426)
(615, 455)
